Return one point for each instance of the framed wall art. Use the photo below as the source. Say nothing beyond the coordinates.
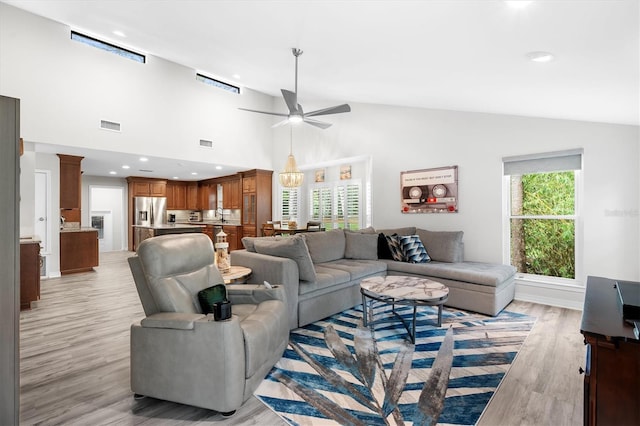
(429, 190)
(345, 172)
(319, 175)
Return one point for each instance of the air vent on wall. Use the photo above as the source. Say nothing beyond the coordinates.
(110, 125)
(145, 170)
(206, 144)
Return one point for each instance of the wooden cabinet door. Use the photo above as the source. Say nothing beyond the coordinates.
(236, 193)
(249, 184)
(141, 189)
(176, 196)
(232, 236)
(158, 189)
(70, 181)
(249, 209)
(78, 251)
(29, 274)
(192, 196)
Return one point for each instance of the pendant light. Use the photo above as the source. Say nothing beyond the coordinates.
(291, 177)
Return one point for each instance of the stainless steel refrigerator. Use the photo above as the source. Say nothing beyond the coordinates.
(150, 211)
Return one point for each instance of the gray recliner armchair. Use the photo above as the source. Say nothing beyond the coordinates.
(178, 353)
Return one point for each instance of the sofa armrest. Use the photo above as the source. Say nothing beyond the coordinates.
(275, 270)
(254, 294)
(172, 320)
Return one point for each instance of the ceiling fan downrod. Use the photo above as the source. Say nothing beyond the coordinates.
(296, 52)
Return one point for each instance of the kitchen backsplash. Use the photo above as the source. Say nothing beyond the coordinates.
(230, 215)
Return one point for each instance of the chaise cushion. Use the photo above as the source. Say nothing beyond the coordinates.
(294, 248)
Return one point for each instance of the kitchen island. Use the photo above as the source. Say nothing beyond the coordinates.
(78, 249)
(142, 232)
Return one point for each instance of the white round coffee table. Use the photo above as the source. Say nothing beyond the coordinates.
(404, 290)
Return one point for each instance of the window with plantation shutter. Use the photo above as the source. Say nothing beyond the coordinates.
(336, 205)
(290, 203)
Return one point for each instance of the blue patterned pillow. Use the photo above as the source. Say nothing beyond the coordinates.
(413, 250)
(395, 247)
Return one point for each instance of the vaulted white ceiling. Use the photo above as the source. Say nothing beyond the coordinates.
(456, 54)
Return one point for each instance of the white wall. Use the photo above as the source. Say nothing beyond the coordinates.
(401, 139)
(67, 87)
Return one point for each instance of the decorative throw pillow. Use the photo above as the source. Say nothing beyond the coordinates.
(413, 249)
(294, 248)
(211, 295)
(393, 241)
(361, 246)
(383, 247)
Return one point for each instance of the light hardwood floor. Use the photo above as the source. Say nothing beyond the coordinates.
(74, 355)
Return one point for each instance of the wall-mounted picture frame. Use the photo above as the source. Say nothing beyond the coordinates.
(319, 175)
(429, 190)
(345, 172)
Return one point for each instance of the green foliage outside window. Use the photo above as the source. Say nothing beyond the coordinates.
(543, 245)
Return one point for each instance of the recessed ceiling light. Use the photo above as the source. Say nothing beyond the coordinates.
(119, 33)
(175, 177)
(124, 166)
(540, 56)
(194, 173)
(218, 167)
(143, 159)
(236, 76)
(113, 172)
(518, 4)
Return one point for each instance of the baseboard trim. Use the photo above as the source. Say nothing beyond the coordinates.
(563, 296)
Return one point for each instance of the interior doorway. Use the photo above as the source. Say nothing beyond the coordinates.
(106, 209)
(42, 215)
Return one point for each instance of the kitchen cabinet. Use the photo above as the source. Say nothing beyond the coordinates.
(207, 194)
(78, 251)
(192, 196)
(256, 200)
(234, 236)
(29, 273)
(176, 195)
(231, 193)
(70, 181)
(145, 187)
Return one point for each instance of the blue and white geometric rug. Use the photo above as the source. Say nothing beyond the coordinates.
(447, 377)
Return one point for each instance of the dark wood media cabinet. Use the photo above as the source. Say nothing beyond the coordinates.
(612, 372)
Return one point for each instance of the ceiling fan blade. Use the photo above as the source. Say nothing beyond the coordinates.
(317, 123)
(331, 110)
(280, 123)
(291, 100)
(265, 112)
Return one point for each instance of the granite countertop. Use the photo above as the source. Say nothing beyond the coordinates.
(29, 240)
(170, 226)
(82, 229)
(212, 222)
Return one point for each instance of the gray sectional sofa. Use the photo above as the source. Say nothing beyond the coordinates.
(321, 271)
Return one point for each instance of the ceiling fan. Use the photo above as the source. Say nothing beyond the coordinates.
(296, 114)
